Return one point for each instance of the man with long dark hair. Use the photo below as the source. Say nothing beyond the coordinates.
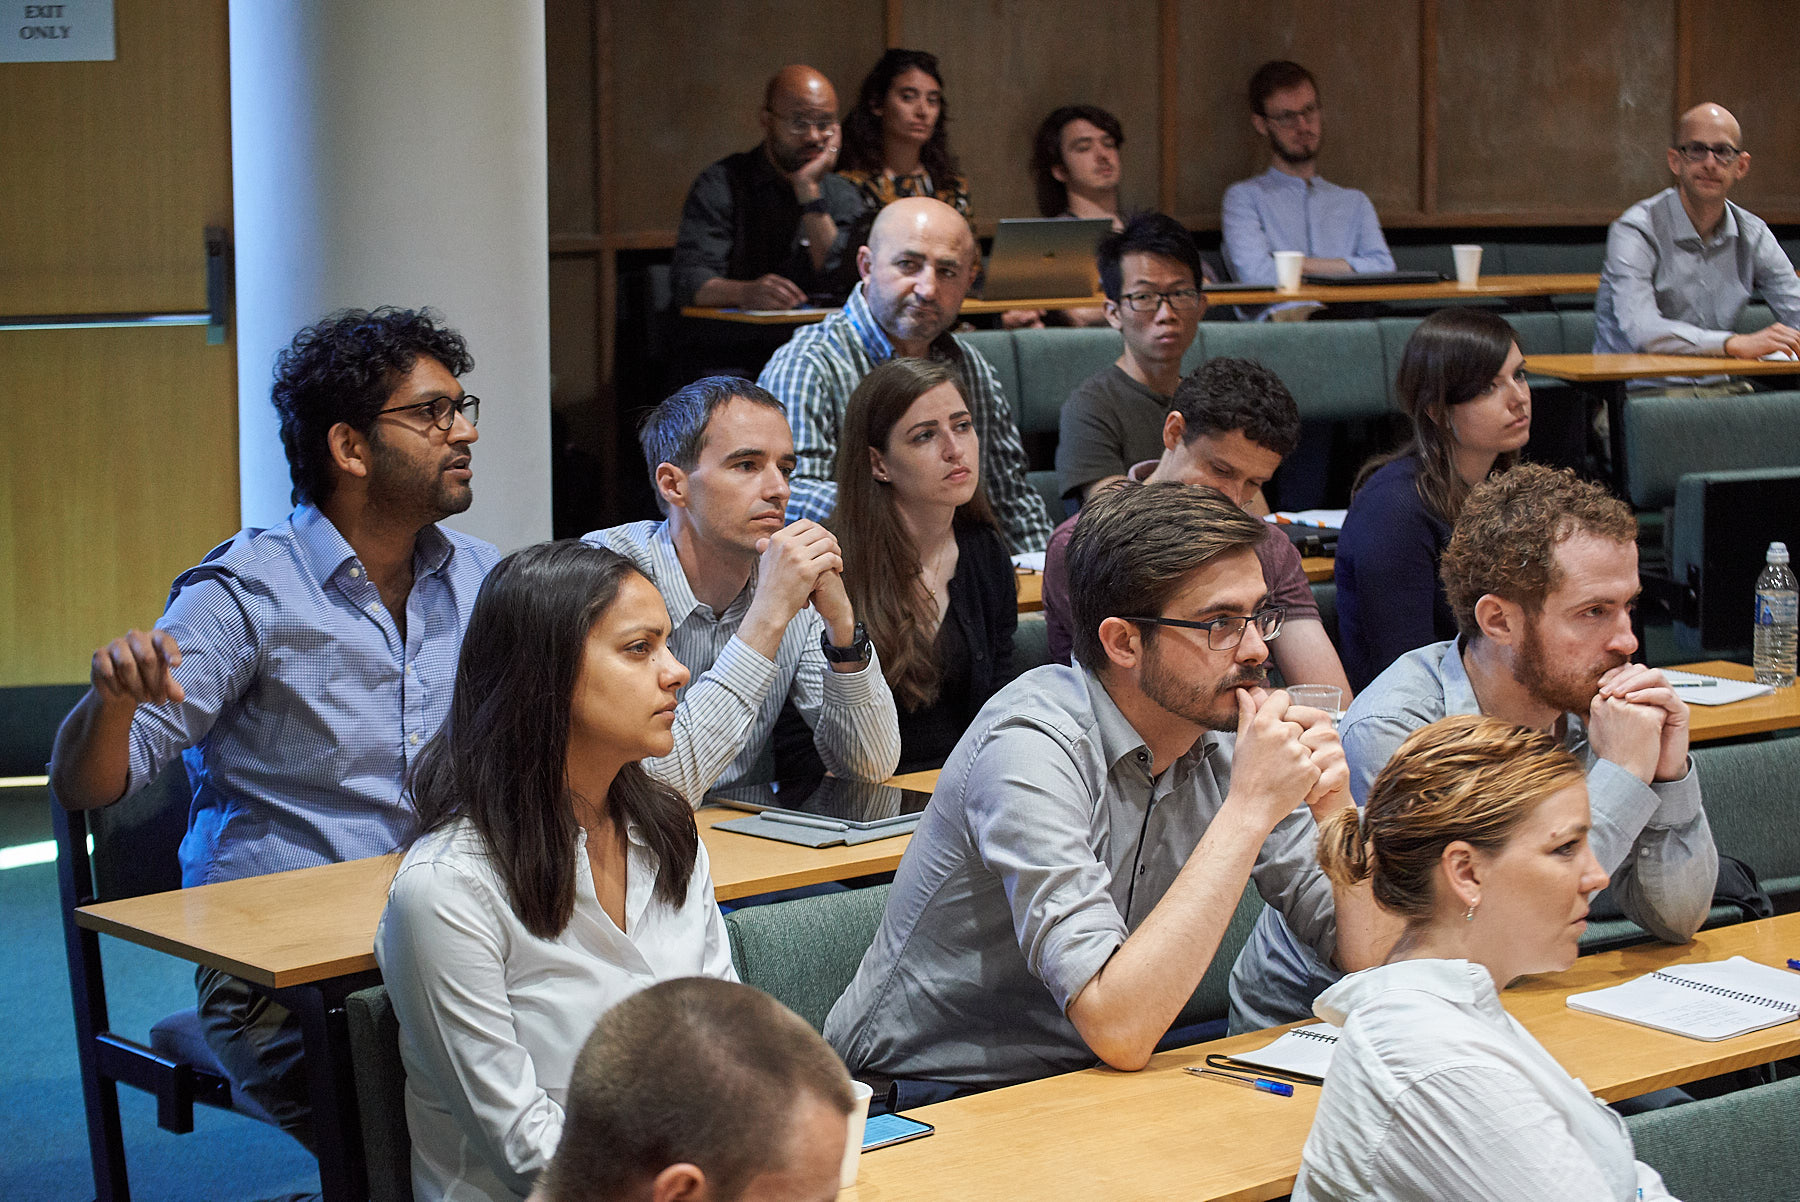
(757, 602)
(299, 669)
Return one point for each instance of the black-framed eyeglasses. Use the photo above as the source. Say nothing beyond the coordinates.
(1696, 152)
(442, 410)
(1182, 300)
(1222, 634)
(801, 126)
(1289, 117)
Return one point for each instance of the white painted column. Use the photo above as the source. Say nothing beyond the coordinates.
(394, 153)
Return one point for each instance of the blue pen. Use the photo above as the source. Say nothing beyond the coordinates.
(1280, 1089)
(1794, 964)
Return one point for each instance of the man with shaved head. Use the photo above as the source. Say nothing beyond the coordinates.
(1681, 265)
(765, 229)
(916, 269)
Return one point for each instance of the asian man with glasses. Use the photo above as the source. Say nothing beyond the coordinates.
(1681, 266)
(1092, 833)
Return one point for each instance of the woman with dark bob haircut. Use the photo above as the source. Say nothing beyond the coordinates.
(1476, 837)
(1462, 385)
(895, 142)
(923, 560)
(551, 877)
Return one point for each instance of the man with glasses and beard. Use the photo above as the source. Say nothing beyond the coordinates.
(766, 228)
(1092, 833)
(300, 669)
(1542, 573)
(1681, 265)
(1289, 207)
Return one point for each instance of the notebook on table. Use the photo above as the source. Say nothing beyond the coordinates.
(1696, 689)
(1712, 1001)
(1302, 1054)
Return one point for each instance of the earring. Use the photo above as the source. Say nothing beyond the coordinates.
(1469, 914)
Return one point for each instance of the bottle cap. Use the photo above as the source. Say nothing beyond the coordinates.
(1778, 553)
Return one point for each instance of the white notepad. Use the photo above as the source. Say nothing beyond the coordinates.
(1302, 1052)
(1711, 1001)
(1713, 690)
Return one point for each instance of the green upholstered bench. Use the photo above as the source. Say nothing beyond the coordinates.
(1738, 1147)
(804, 952)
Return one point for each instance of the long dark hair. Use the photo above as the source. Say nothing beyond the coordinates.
(501, 757)
(881, 564)
(1452, 358)
(862, 149)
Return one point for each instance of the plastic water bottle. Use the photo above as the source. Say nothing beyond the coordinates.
(1775, 619)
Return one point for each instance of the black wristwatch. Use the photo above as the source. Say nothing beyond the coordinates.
(817, 204)
(856, 653)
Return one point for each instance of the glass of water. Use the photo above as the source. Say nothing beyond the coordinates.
(1327, 697)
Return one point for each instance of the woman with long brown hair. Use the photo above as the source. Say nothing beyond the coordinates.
(923, 558)
(1476, 836)
(895, 143)
(1462, 384)
(551, 877)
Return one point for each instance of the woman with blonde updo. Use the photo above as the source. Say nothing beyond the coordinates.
(1476, 833)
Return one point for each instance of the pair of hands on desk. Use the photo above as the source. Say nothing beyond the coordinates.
(1774, 340)
(1638, 722)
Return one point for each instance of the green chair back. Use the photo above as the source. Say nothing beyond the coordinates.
(804, 952)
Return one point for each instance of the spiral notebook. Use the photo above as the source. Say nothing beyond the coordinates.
(1712, 1001)
(1302, 1054)
(1696, 689)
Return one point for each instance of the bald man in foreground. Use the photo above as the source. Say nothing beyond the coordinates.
(765, 229)
(1681, 265)
(915, 269)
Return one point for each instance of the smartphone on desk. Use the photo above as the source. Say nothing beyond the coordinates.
(884, 1129)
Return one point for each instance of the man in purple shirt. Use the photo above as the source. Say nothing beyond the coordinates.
(1230, 424)
(299, 670)
(1289, 206)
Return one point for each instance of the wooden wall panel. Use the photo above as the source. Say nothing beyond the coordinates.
(1747, 58)
(1365, 55)
(1009, 62)
(111, 171)
(1557, 109)
(688, 85)
(572, 130)
(119, 471)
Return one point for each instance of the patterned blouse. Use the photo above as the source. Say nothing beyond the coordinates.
(879, 188)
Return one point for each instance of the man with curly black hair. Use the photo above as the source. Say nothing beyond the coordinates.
(298, 670)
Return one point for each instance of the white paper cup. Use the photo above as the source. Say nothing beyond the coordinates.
(859, 1117)
(1287, 270)
(1468, 264)
(1327, 697)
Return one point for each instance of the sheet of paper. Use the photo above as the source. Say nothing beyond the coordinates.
(1713, 690)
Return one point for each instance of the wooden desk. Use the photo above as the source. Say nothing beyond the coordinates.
(799, 317)
(1779, 710)
(1031, 591)
(744, 865)
(1161, 1133)
(1607, 375)
(1319, 568)
(1492, 286)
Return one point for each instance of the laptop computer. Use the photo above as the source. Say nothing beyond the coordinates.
(1035, 258)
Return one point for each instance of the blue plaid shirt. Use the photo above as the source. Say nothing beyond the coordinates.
(305, 707)
(817, 369)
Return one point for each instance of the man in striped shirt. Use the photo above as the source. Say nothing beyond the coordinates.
(916, 269)
(757, 604)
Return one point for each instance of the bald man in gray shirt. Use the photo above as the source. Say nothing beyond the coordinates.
(1093, 831)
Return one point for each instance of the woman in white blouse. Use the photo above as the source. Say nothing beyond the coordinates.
(1476, 833)
(552, 877)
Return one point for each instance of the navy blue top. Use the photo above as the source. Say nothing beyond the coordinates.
(1389, 597)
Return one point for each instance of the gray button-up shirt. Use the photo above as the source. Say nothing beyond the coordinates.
(1046, 844)
(1653, 839)
(1664, 291)
(728, 710)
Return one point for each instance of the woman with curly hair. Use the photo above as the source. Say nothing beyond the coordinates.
(895, 143)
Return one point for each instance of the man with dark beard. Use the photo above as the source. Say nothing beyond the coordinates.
(1093, 831)
(1541, 571)
(300, 669)
(766, 228)
(1289, 207)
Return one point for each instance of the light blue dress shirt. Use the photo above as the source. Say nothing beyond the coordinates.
(305, 706)
(1277, 211)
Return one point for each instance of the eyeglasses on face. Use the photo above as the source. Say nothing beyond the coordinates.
(1696, 152)
(1289, 117)
(1182, 300)
(442, 410)
(799, 127)
(1222, 634)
